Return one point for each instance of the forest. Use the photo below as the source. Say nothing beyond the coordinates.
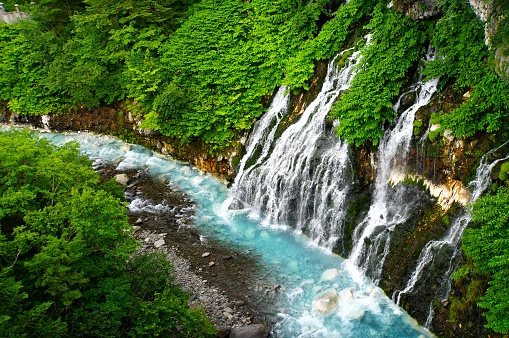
(205, 70)
(68, 263)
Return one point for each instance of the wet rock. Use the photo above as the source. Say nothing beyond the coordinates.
(330, 274)
(326, 302)
(250, 331)
(449, 135)
(346, 295)
(407, 101)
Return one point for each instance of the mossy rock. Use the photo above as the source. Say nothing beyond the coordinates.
(502, 175)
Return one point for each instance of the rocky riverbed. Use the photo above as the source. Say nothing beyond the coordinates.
(227, 282)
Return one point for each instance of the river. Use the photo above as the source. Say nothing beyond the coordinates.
(300, 270)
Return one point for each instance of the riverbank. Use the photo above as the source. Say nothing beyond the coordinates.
(225, 282)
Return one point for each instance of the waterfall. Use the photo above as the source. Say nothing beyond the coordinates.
(45, 119)
(451, 240)
(388, 208)
(262, 136)
(305, 179)
(294, 273)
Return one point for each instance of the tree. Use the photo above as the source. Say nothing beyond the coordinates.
(66, 255)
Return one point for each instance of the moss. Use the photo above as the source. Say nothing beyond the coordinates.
(457, 308)
(446, 220)
(433, 135)
(504, 167)
(340, 62)
(502, 175)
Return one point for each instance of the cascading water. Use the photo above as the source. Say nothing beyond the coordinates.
(262, 136)
(304, 181)
(388, 208)
(427, 261)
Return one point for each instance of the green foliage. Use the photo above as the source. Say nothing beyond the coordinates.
(25, 53)
(504, 170)
(462, 59)
(446, 220)
(488, 246)
(394, 47)
(224, 59)
(300, 67)
(65, 253)
(54, 14)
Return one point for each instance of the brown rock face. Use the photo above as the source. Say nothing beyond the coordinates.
(118, 121)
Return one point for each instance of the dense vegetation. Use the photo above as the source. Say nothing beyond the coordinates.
(68, 263)
(487, 245)
(201, 70)
(462, 61)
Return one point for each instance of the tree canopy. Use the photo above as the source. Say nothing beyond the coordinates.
(68, 263)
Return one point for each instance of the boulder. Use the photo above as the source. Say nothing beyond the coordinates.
(159, 243)
(346, 295)
(250, 331)
(326, 302)
(122, 179)
(330, 274)
(222, 331)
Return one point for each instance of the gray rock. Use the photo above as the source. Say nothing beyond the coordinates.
(159, 243)
(136, 228)
(228, 315)
(228, 310)
(205, 254)
(250, 331)
(138, 221)
(222, 331)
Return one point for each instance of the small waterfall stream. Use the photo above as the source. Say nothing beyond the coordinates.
(449, 243)
(304, 181)
(388, 208)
